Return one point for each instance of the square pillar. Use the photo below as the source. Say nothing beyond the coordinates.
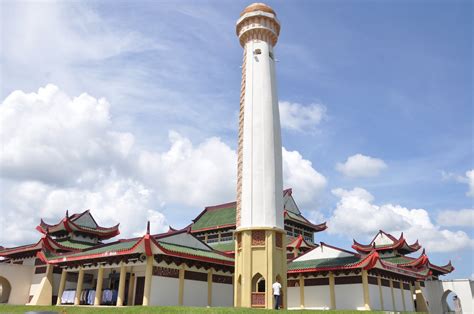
(80, 280)
(148, 278)
(121, 288)
(62, 284)
(98, 287)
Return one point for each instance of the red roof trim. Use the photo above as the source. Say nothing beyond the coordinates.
(66, 258)
(366, 263)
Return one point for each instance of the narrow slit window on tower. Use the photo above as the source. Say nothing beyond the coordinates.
(257, 51)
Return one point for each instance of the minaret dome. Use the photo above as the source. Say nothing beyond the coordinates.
(258, 21)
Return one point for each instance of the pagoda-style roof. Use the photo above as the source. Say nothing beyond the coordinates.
(326, 258)
(81, 223)
(386, 242)
(421, 262)
(46, 242)
(170, 244)
(300, 243)
(224, 216)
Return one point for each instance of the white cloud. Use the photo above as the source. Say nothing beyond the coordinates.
(299, 174)
(358, 217)
(468, 179)
(470, 182)
(361, 166)
(62, 153)
(453, 218)
(298, 117)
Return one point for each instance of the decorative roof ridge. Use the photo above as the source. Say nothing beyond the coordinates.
(387, 265)
(170, 232)
(299, 240)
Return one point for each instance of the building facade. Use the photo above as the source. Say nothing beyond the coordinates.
(230, 254)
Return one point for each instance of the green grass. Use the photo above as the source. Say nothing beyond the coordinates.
(150, 309)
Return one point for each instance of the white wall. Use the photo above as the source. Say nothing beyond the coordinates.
(374, 293)
(398, 297)
(435, 289)
(222, 294)
(19, 277)
(317, 297)
(408, 300)
(387, 299)
(349, 297)
(293, 297)
(195, 293)
(164, 291)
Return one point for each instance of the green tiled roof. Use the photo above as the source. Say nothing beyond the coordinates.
(297, 217)
(196, 252)
(324, 262)
(216, 217)
(223, 247)
(397, 259)
(113, 247)
(75, 245)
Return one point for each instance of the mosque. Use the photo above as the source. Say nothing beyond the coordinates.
(230, 254)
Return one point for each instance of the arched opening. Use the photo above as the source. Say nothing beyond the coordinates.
(5, 289)
(451, 303)
(258, 283)
(258, 290)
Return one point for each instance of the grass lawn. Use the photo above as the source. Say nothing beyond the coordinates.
(150, 309)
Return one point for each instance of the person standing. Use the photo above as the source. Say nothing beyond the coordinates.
(277, 293)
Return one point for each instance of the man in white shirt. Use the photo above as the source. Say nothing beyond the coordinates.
(277, 293)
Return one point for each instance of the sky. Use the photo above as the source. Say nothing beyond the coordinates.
(130, 109)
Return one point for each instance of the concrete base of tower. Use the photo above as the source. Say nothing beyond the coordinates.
(260, 261)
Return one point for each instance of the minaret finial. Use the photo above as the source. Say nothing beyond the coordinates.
(148, 227)
(67, 213)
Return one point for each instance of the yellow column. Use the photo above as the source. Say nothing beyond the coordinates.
(148, 278)
(332, 290)
(121, 287)
(181, 286)
(62, 284)
(209, 287)
(412, 294)
(98, 287)
(379, 283)
(80, 279)
(365, 285)
(403, 296)
(393, 295)
(301, 291)
(131, 286)
(421, 305)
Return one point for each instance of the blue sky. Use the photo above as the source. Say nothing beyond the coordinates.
(389, 82)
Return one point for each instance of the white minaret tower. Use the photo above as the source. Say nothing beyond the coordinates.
(260, 236)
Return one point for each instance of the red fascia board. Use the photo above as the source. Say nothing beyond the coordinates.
(24, 248)
(394, 267)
